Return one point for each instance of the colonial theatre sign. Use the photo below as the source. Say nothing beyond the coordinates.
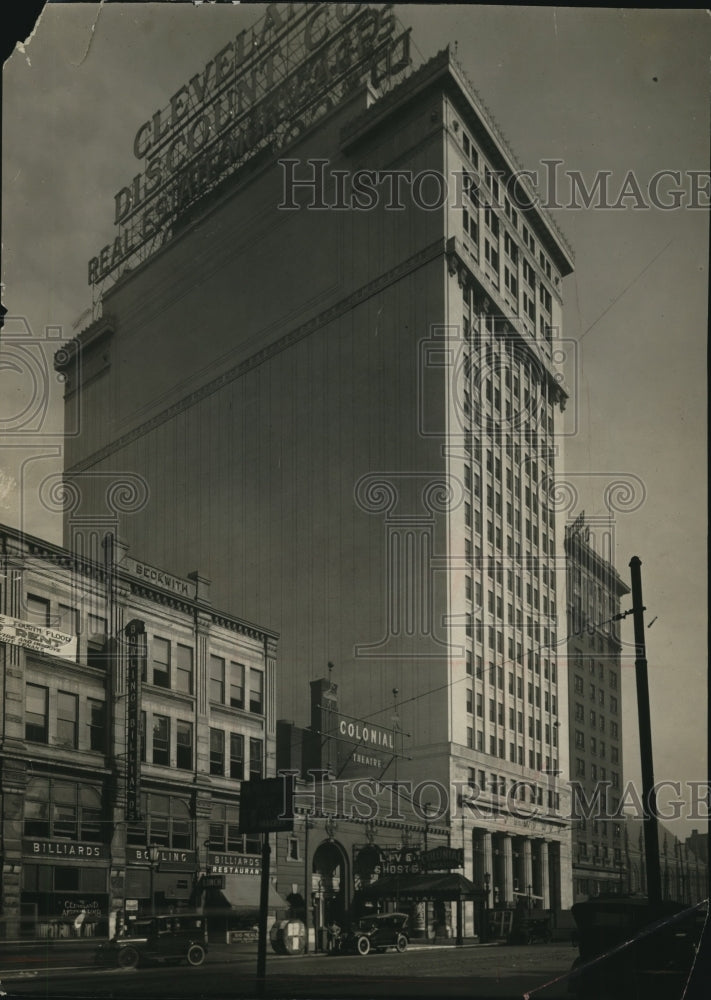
(363, 749)
(259, 91)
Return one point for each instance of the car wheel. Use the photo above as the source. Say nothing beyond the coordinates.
(401, 942)
(363, 945)
(127, 958)
(196, 954)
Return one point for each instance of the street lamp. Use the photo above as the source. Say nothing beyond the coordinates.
(485, 928)
(154, 859)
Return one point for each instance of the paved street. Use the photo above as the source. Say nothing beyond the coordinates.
(456, 972)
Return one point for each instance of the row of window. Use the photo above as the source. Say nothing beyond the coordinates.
(67, 722)
(227, 685)
(594, 668)
(169, 665)
(596, 747)
(496, 785)
(549, 704)
(599, 693)
(597, 773)
(163, 730)
(491, 179)
(495, 673)
(497, 747)
(66, 810)
(227, 755)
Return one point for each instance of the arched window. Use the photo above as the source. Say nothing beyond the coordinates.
(168, 822)
(64, 810)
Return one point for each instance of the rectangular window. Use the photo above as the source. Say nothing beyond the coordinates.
(36, 698)
(217, 752)
(236, 756)
(256, 753)
(236, 685)
(68, 620)
(256, 691)
(97, 725)
(160, 650)
(510, 247)
(161, 740)
(184, 672)
(96, 655)
(184, 745)
(217, 679)
(470, 701)
(37, 610)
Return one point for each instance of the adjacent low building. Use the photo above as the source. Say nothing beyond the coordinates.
(117, 789)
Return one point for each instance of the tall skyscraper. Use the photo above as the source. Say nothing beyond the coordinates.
(337, 376)
(595, 709)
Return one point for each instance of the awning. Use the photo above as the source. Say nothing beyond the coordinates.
(439, 886)
(241, 893)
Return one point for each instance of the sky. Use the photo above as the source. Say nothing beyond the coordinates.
(598, 89)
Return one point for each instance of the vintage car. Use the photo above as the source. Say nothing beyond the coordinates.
(173, 938)
(376, 933)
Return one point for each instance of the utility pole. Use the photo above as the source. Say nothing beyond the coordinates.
(307, 881)
(649, 795)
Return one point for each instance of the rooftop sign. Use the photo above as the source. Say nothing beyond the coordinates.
(259, 91)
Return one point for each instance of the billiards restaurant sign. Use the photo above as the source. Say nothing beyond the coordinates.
(136, 640)
(38, 638)
(234, 864)
(262, 89)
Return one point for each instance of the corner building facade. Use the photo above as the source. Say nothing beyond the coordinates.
(353, 425)
(206, 722)
(595, 706)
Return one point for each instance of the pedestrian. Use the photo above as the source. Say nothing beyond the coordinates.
(79, 923)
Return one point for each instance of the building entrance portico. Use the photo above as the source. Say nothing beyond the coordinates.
(329, 886)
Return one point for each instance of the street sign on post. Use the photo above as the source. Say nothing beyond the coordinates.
(266, 805)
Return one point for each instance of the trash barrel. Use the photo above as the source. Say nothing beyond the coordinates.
(288, 937)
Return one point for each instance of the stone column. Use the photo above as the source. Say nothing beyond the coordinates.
(488, 849)
(545, 877)
(527, 868)
(507, 851)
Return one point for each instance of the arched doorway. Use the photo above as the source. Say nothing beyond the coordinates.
(329, 882)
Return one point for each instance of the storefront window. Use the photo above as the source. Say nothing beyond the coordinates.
(52, 889)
